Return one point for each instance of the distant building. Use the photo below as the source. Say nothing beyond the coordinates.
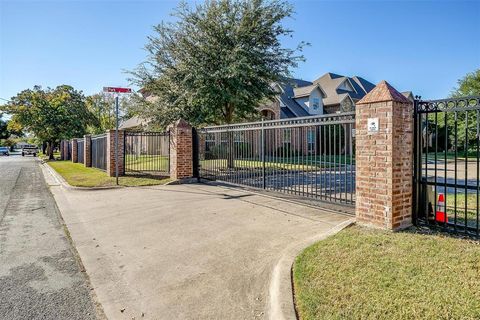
(331, 93)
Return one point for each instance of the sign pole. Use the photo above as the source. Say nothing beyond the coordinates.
(116, 90)
(116, 139)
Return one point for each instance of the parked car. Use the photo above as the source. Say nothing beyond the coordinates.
(4, 151)
(29, 150)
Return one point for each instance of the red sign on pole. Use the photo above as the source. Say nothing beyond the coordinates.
(117, 89)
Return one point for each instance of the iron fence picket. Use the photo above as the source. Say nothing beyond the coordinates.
(460, 185)
(304, 157)
(81, 150)
(147, 153)
(99, 151)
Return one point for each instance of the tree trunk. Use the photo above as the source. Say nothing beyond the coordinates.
(50, 150)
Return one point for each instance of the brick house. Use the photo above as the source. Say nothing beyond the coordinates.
(330, 93)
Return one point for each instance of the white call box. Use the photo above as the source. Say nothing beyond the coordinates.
(372, 125)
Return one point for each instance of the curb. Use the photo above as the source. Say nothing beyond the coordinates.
(281, 305)
(62, 182)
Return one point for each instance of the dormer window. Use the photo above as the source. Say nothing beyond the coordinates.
(315, 103)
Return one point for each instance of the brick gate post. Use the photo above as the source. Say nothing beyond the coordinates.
(181, 150)
(74, 150)
(111, 152)
(384, 159)
(87, 150)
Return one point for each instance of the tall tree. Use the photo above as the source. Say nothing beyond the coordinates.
(51, 114)
(217, 61)
(102, 106)
(456, 123)
(469, 85)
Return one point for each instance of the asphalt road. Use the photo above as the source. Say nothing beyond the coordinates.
(40, 277)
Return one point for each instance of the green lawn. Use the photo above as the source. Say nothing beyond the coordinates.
(76, 174)
(371, 274)
(285, 164)
(470, 200)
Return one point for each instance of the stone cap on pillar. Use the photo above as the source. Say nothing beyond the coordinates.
(383, 92)
(180, 123)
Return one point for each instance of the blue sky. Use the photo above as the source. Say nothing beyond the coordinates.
(423, 46)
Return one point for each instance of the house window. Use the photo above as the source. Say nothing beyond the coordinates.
(311, 140)
(316, 103)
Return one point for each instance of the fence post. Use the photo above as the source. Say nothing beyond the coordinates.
(384, 159)
(74, 150)
(87, 150)
(181, 150)
(263, 156)
(111, 152)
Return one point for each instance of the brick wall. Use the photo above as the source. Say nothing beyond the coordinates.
(111, 153)
(384, 160)
(74, 151)
(87, 150)
(181, 150)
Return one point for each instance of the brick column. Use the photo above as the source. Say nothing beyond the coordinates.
(87, 150)
(181, 152)
(74, 151)
(111, 153)
(384, 159)
(64, 149)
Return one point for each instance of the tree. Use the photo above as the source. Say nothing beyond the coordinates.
(51, 114)
(469, 85)
(4, 132)
(216, 62)
(102, 106)
(461, 126)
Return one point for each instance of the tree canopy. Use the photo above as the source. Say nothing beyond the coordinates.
(469, 85)
(51, 114)
(455, 124)
(216, 62)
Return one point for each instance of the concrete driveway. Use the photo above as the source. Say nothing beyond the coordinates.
(191, 251)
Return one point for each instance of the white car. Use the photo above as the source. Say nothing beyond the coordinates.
(29, 150)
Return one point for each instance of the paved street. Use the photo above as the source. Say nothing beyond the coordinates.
(39, 275)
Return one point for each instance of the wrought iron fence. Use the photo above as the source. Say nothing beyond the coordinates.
(99, 151)
(69, 150)
(310, 157)
(147, 153)
(447, 168)
(80, 150)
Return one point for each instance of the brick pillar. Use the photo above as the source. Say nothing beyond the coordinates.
(181, 152)
(111, 153)
(64, 150)
(74, 151)
(87, 150)
(384, 159)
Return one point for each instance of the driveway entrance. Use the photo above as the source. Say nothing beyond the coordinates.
(190, 251)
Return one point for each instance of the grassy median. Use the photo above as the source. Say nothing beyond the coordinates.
(76, 174)
(371, 274)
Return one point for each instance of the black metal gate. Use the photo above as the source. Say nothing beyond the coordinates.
(147, 153)
(80, 150)
(99, 151)
(447, 169)
(310, 157)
